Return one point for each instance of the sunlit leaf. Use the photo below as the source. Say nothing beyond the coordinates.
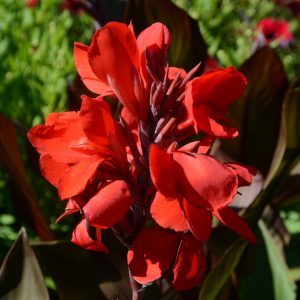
(20, 275)
(11, 159)
(284, 287)
(216, 279)
(257, 114)
(187, 47)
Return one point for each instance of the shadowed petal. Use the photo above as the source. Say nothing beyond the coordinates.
(91, 81)
(74, 180)
(199, 220)
(151, 254)
(232, 220)
(155, 40)
(190, 264)
(208, 97)
(81, 238)
(109, 205)
(168, 213)
(162, 171)
(245, 173)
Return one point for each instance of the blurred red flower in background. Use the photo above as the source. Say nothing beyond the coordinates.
(271, 30)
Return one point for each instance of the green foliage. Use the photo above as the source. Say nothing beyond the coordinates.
(37, 58)
(228, 28)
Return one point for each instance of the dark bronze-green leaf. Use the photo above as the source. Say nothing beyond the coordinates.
(187, 47)
(20, 275)
(216, 279)
(257, 113)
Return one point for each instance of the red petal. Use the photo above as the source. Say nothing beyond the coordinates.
(203, 180)
(57, 137)
(109, 205)
(51, 169)
(232, 220)
(245, 173)
(207, 122)
(199, 220)
(151, 254)
(74, 180)
(155, 40)
(174, 218)
(112, 55)
(162, 171)
(81, 238)
(190, 264)
(96, 120)
(208, 97)
(218, 88)
(91, 81)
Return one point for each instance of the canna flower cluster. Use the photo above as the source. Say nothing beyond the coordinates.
(144, 170)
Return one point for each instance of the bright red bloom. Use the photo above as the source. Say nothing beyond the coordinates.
(110, 173)
(156, 252)
(273, 30)
(194, 187)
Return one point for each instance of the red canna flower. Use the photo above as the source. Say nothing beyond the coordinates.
(271, 30)
(32, 3)
(124, 171)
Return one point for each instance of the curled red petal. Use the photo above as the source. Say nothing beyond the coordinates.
(245, 174)
(204, 181)
(74, 180)
(174, 218)
(162, 171)
(58, 136)
(91, 81)
(208, 97)
(232, 220)
(109, 205)
(81, 238)
(218, 88)
(151, 254)
(73, 205)
(199, 220)
(190, 264)
(51, 169)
